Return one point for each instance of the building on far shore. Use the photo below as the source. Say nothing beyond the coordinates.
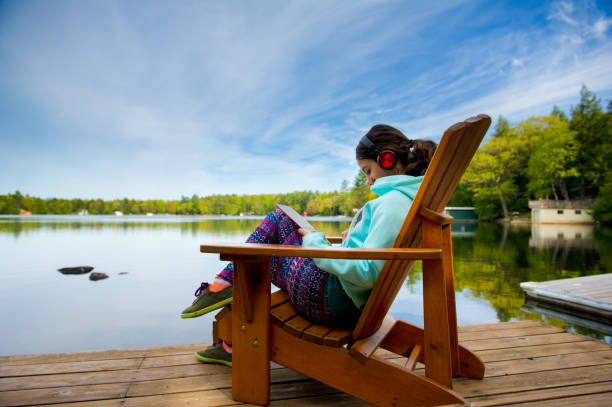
(551, 211)
(462, 213)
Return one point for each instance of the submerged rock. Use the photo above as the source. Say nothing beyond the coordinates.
(75, 270)
(97, 276)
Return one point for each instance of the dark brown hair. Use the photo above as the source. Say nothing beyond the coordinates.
(414, 154)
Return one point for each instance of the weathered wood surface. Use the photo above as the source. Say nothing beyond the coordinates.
(590, 295)
(526, 362)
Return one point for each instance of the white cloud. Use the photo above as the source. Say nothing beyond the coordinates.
(600, 27)
(213, 98)
(562, 11)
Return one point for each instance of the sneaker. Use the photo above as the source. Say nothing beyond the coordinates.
(215, 354)
(207, 301)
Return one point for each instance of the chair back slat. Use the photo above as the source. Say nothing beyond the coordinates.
(453, 155)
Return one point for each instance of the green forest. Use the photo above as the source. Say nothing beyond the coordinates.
(558, 156)
(544, 157)
(315, 203)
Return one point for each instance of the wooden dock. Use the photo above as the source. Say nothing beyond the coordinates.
(527, 363)
(588, 298)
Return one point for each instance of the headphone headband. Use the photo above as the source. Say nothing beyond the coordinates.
(365, 140)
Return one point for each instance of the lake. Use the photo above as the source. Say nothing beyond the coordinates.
(154, 267)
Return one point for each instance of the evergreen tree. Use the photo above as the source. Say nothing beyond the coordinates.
(602, 210)
(559, 113)
(592, 133)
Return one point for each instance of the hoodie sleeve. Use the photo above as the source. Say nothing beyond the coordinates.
(379, 227)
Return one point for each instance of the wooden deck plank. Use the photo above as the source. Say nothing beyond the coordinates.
(508, 333)
(505, 325)
(544, 394)
(118, 376)
(508, 367)
(521, 341)
(333, 400)
(526, 361)
(532, 381)
(591, 400)
(109, 354)
(69, 367)
(542, 350)
(63, 394)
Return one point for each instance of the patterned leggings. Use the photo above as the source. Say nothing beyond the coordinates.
(308, 286)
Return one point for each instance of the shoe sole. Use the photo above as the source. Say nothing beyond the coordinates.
(208, 309)
(210, 360)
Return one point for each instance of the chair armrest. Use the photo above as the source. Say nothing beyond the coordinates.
(256, 249)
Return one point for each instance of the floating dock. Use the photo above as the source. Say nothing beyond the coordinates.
(586, 301)
(526, 362)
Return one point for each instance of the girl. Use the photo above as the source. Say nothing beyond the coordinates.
(331, 290)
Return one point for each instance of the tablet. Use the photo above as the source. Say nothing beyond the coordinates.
(296, 217)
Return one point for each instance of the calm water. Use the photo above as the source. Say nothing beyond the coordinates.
(154, 266)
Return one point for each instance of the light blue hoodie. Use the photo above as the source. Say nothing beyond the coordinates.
(376, 225)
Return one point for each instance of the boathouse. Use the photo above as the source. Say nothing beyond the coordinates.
(561, 211)
(462, 213)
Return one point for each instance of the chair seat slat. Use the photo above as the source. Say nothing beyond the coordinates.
(316, 333)
(277, 298)
(283, 313)
(297, 325)
(337, 337)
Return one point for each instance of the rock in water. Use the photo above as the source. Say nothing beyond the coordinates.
(97, 276)
(75, 270)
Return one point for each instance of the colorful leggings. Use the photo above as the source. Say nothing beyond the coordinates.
(316, 294)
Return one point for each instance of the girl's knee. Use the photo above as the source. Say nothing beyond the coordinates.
(276, 214)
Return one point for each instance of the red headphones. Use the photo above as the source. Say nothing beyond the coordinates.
(386, 158)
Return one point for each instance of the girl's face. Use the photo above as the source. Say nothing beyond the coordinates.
(373, 171)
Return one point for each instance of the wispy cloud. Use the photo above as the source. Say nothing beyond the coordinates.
(116, 99)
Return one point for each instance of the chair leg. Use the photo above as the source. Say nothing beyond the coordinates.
(222, 325)
(251, 332)
(449, 279)
(438, 360)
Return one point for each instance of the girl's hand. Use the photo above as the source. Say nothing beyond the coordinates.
(304, 232)
(344, 235)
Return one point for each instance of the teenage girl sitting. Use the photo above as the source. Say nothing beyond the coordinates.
(330, 290)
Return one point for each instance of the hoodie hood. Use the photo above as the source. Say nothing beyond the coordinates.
(406, 184)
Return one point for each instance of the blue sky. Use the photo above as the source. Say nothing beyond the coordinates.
(158, 99)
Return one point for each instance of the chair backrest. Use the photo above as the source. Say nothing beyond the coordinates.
(453, 155)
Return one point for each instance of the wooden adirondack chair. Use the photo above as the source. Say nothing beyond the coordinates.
(344, 358)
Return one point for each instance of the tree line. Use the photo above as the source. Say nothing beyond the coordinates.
(542, 157)
(342, 202)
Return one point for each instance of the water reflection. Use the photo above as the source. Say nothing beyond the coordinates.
(194, 225)
(491, 265)
(557, 236)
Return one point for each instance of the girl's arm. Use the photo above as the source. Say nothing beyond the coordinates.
(379, 230)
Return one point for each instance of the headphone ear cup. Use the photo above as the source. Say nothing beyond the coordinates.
(387, 159)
